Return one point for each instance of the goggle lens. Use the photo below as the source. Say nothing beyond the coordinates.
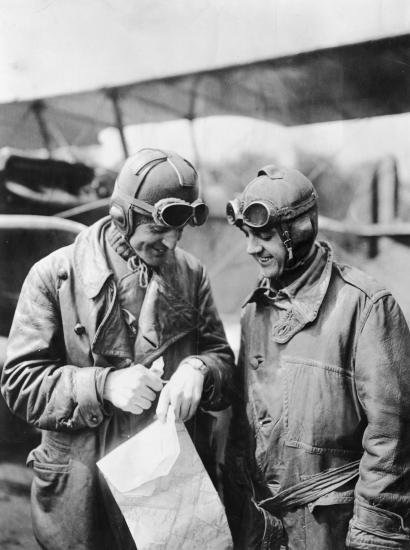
(176, 215)
(201, 212)
(232, 211)
(256, 214)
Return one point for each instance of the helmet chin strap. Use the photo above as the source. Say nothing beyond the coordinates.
(287, 241)
(292, 261)
(284, 233)
(300, 263)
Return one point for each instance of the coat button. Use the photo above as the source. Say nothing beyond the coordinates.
(79, 329)
(256, 361)
(93, 419)
(62, 274)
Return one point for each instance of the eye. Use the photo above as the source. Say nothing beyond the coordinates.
(157, 229)
(265, 236)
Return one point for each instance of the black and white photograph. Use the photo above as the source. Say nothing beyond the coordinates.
(204, 274)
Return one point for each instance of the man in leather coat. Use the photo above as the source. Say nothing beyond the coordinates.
(319, 450)
(91, 319)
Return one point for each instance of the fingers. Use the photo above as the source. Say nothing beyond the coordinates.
(142, 402)
(137, 405)
(153, 381)
(188, 407)
(148, 378)
(134, 409)
(132, 389)
(163, 404)
(183, 392)
(184, 402)
(147, 393)
(192, 407)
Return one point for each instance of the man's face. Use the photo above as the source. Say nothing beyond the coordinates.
(153, 242)
(268, 250)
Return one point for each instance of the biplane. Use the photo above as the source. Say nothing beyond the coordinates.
(144, 73)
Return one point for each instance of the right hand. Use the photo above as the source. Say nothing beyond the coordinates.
(132, 389)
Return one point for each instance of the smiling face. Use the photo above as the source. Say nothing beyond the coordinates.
(153, 242)
(268, 250)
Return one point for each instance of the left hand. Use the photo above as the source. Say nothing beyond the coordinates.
(183, 392)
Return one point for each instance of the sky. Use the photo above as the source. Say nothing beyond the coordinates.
(52, 46)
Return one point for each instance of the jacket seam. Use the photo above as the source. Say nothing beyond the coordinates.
(339, 371)
(321, 450)
(373, 296)
(46, 287)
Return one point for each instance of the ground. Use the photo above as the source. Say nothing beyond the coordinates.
(15, 521)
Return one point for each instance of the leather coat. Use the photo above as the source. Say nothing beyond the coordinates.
(68, 333)
(320, 434)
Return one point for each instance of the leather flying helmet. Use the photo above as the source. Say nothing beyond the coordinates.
(282, 198)
(158, 184)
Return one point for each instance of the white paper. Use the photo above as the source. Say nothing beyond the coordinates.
(180, 510)
(149, 454)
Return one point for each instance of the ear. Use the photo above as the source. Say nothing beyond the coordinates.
(119, 218)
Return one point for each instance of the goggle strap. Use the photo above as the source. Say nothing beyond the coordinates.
(292, 212)
(141, 205)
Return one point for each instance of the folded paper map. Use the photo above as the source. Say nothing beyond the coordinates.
(164, 491)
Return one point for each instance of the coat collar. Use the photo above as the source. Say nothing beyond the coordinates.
(304, 296)
(89, 258)
(167, 312)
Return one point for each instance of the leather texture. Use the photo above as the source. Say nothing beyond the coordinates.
(54, 376)
(323, 381)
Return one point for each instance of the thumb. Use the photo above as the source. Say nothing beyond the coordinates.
(163, 404)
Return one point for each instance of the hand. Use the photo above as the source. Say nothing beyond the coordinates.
(183, 392)
(132, 389)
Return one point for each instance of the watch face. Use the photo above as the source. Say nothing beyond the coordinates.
(198, 365)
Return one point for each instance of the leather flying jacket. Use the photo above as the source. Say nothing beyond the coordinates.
(322, 415)
(68, 333)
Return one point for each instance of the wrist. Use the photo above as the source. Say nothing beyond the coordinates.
(197, 364)
(107, 388)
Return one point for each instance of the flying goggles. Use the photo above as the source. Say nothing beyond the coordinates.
(260, 213)
(172, 212)
(257, 214)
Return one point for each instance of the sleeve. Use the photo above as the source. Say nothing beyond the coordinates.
(36, 383)
(213, 350)
(382, 376)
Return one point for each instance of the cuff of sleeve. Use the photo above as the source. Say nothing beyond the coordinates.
(373, 527)
(100, 379)
(89, 383)
(212, 384)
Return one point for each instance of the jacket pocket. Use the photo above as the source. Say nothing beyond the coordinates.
(51, 464)
(321, 413)
(375, 527)
(327, 520)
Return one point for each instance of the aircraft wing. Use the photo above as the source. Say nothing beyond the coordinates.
(291, 63)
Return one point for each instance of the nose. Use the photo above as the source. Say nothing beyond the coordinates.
(171, 238)
(253, 245)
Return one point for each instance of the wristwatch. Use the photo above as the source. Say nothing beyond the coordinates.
(197, 364)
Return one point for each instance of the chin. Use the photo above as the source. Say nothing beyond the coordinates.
(269, 273)
(155, 262)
